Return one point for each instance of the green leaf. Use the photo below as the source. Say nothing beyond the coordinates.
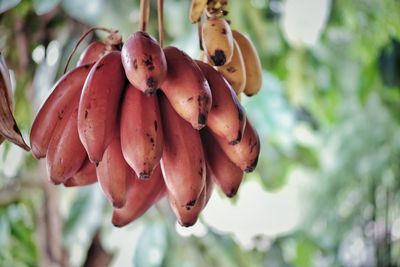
(307, 157)
(305, 251)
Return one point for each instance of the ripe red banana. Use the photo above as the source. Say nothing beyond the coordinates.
(144, 62)
(141, 132)
(186, 88)
(227, 116)
(66, 153)
(225, 173)
(93, 52)
(183, 162)
(113, 174)
(85, 176)
(99, 105)
(244, 154)
(140, 197)
(188, 217)
(55, 107)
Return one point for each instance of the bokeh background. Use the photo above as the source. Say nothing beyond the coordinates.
(327, 188)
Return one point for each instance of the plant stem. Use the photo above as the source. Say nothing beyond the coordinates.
(81, 39)
(160, 13)
(200, 34)
(144, 14)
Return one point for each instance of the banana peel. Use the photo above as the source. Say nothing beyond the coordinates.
(8, 127)
(196, 10)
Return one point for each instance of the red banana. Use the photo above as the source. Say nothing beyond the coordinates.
(183, 162)
(225, 173)
(99, 105)
(188, 217)
(55, 107)
(244, 154)
(93, 52)
(227, 116)
(113, 174)
(144, 62)
(140, 197)
(141, 132)
(66, 153)
(85, 176)
(186, 88)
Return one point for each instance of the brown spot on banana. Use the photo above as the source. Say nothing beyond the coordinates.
(190, 204)
(231, 69)
(152, 86)
(148, 62)
(237, 140)
(60, 114)
(219, 58)
(202, 119)
(99, 66)
(232, 193)
(144, 175)
(252, 166)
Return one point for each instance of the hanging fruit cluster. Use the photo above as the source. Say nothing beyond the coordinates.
(230, 51)
(146, 122)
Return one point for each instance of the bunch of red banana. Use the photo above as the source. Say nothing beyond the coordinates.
(145, 122)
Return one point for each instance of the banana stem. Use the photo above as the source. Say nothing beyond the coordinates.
(200, 34)
(81, 39)
(160, 13)
(144, 14)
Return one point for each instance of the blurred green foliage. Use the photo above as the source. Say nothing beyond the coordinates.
(343, 91)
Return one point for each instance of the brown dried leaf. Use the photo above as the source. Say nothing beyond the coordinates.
(8, 127)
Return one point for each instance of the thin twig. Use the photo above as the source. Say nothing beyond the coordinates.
(81, 39)
(49, 229)
(160, 13)
(144, 14)
(199, 32)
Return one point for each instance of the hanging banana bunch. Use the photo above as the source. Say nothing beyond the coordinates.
(230, 51)
(149, 122)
